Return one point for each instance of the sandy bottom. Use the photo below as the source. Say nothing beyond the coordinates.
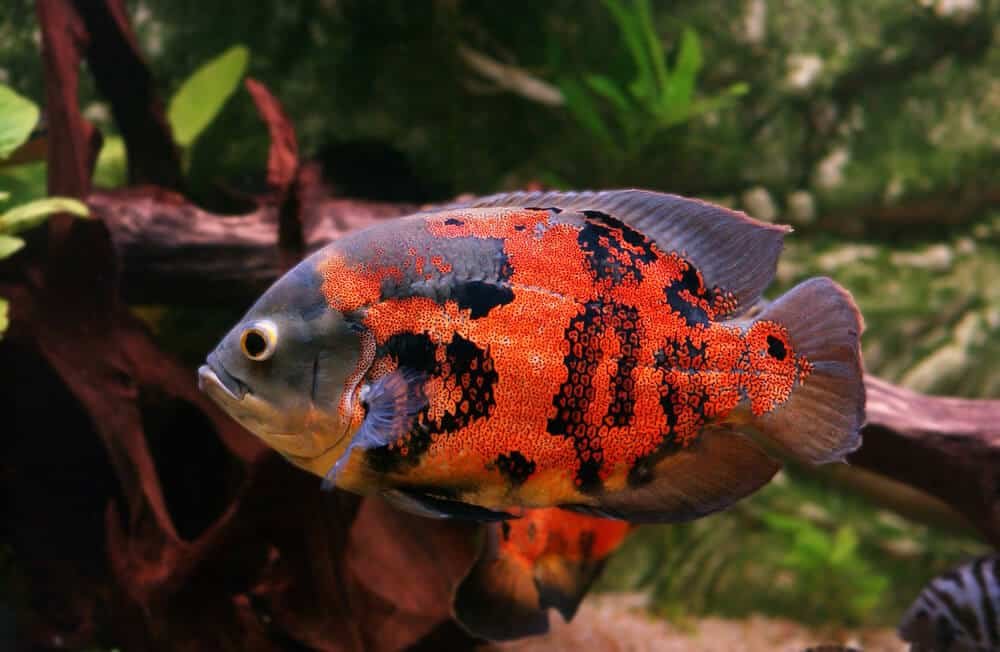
(618, 623)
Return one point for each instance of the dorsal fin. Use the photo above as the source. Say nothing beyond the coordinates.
(733, 251)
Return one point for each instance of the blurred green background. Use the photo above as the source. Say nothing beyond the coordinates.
(872, 127)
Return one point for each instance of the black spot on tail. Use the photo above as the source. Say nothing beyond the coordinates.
(481, 297)
(451, 221)
(776, 348)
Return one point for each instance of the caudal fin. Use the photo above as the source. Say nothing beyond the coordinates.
(821, 420)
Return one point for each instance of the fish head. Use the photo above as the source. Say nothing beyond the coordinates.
(288, 370)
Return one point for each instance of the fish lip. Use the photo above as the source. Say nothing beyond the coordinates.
(215, 374)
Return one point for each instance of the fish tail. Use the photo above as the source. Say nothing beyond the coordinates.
(821, 419)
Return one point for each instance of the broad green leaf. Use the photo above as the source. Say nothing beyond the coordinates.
(9, 245)
(675, 103)
(18, 116)
(202, 95)
(583, 110)
(4, 315)
(28, 215)
(606, 88)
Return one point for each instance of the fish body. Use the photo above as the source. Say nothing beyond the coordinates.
(587, 350)
(958, 611)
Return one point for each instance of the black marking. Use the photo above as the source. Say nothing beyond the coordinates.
(481, 297)
(986, 602)
(519, 227)
(451, 221)
(629, 235)
(547, 208)
(965, 616)
(776, 348)
(610, 247)
(412, 350)
(625, 323)
(472, 368)
(515, 467)
(584, 333)
(505, 530)
(691, 281)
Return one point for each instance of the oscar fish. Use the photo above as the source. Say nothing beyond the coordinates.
(547, 559)
(587, 350)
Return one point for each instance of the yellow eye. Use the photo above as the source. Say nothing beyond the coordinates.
(259, 340)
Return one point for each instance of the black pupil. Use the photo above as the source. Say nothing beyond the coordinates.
(776, 348)
(255, 344)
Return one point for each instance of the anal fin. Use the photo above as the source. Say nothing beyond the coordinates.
(719, 468)
(563, 583)
(428, 506)
(498, 599)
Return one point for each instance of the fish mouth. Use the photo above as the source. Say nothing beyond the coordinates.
(215, 375)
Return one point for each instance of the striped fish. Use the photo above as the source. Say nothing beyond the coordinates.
(957, 611)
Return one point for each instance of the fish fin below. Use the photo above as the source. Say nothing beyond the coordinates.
(563, 583)
(393, 400)
(733, 251)
(822, 418)
(428, 506)
(498, 600)
(719, 468)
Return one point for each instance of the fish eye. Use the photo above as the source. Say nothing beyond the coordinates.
(259, 340)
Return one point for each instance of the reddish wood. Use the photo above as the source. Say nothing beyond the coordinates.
(947, 447)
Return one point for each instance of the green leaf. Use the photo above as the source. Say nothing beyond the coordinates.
(4, 315)
(675, 103)
(643, 87)
(583, 110)
(9, 245)
(845, 542)
(607, 89)
(202, 95)
(720, 101)
(28, 215)
(654, 49)
(18, 116)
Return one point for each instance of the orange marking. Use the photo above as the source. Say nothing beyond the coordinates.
(575, 537)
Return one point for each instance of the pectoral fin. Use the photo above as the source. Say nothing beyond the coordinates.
(392, 402)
